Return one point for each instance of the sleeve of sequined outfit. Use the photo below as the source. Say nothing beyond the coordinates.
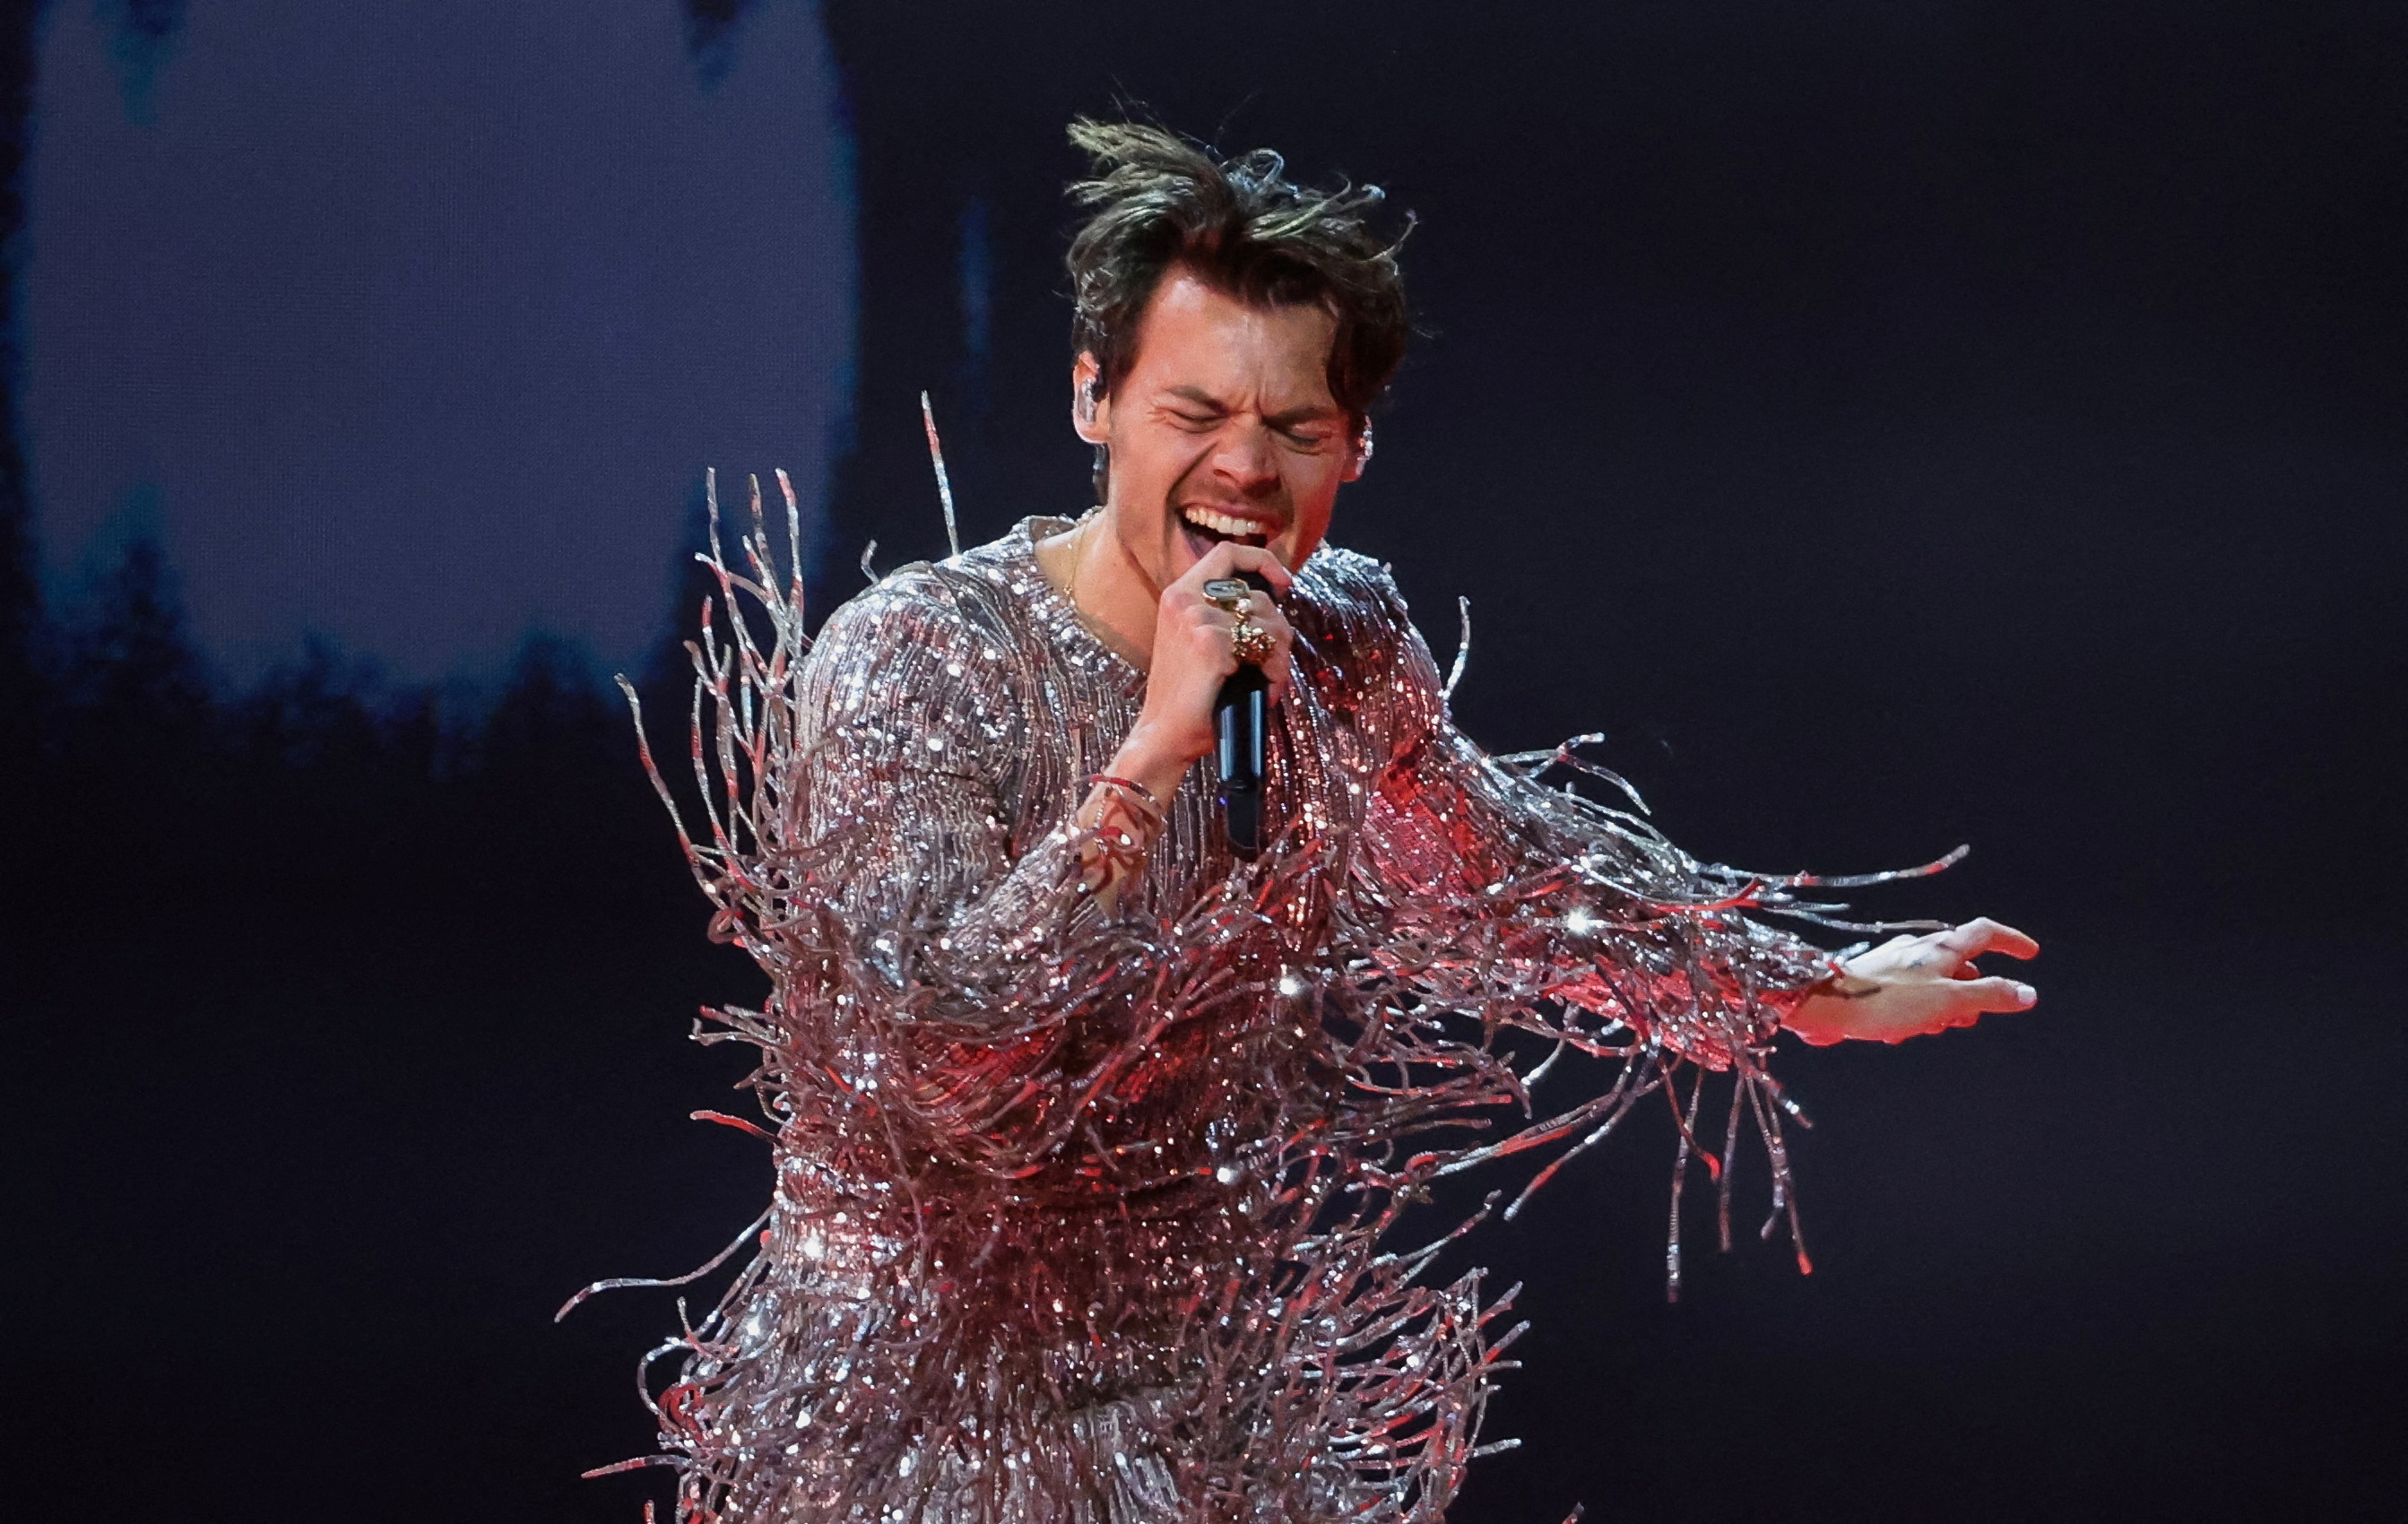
(907, 718)
(1492, 880)
(967, 988)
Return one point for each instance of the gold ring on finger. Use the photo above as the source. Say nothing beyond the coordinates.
(1232, 595)
(1251, 643)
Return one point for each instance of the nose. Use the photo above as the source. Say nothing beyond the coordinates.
(1247, 459)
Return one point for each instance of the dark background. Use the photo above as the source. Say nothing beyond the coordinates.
(1893, 424)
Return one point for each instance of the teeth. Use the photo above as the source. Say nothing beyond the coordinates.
(1222, 524)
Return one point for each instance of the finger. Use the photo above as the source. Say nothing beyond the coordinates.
(1978, 995)
(1983, 935)
(1966, 968)
(1235, 558)
(1226, 561)
(1252, 558)
(1276, 666)
(1214, 564)
(1934, 954)
(1207, 631)
(1265, 615)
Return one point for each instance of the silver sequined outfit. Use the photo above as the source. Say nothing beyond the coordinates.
(1082, 1215)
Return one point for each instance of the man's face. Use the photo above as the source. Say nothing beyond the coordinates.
(1224, 429)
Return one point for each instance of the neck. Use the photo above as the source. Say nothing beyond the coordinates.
(1111, 592)
(1115, 592)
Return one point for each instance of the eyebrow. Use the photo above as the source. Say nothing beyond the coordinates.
(1199, 397)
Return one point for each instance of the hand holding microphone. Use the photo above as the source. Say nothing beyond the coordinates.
(1196, 656)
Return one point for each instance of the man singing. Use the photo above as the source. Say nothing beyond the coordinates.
(1089, 1130)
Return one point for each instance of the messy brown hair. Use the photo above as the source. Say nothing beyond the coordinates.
(1159, 200)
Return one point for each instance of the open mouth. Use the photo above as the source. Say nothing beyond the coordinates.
(1206, 527)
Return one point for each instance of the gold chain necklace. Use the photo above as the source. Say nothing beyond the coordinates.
(1078, 553)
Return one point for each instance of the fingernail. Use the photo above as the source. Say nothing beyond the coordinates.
(2026, 993)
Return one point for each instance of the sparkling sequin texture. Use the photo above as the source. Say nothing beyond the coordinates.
(1082, 1213)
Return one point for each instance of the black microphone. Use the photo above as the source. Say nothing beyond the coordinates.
(1241, 719)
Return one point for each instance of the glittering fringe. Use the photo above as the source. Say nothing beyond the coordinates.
(1009, 1274)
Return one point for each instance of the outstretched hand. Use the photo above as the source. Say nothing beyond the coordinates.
(1911, 985)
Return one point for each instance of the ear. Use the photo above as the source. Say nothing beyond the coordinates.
(1090, 411)
(1358, 453)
